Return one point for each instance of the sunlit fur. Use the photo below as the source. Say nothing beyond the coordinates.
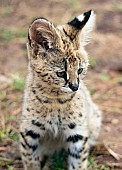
(58, 111)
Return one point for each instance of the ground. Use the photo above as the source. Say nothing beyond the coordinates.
(104, 78)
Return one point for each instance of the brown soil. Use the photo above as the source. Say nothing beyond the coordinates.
(104, 78)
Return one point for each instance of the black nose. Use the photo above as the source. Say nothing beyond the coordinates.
(73, 87)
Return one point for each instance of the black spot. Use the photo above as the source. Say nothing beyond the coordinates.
(24, 154)
(37, 159)
(85, 140)
(38, 72)
(84, 158)
(37, 111)
(22, 135)
(71, 113)
(46, 101)
(42, 163)
(42, 101)
(36, 123)
(73, 166)
(59, 119)
(24, 146)
(32, 134)
(76, 156)
(74, 138)
(50, 110)
(72, 125)
(81, 150)
(28, 109)
(69, 36)
(62, 101)
(33, 90)
(49, 122)
(33, 147)
(85, 151)
(44, 75)
(80, 115)
(39, 99)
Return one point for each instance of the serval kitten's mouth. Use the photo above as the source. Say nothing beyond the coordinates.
(67, 90)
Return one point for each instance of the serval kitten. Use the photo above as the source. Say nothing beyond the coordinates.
(58, 111)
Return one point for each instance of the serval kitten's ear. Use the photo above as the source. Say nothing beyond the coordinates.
(42, 33)
(85, 23)
(81, 26)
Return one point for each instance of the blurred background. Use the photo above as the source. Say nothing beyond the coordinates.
(104, 78)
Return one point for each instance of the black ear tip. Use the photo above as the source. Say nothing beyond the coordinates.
(80, 21)
(88, 13)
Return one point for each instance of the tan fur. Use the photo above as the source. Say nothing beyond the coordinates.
(58, 111)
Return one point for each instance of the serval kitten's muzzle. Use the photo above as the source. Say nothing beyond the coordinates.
(74, 86)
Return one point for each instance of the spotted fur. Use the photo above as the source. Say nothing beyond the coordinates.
(58, 111)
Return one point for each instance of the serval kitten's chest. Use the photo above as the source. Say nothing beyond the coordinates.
(56, 117)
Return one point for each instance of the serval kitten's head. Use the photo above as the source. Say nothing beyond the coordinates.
(57, 54)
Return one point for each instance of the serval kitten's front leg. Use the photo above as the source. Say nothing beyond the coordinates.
(29, 144)
(77, 152)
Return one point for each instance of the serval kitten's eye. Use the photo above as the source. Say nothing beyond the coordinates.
(80, 70)
(62, 74)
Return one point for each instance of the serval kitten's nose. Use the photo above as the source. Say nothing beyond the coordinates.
(74, 87)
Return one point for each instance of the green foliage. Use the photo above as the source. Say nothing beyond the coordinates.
(104, 77)
(8, 117)
(93, 166)
(6, 133)
(92, 163)
(60, 160)
(7, 35)
(14, 136)
(92, 62)
(18, 82)
(72, 3)
(119, 7)
(6, 163)
(6, 10)
(21, 33)
(91, 90)
(3, 134)
(10, 167)
(2, 95)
